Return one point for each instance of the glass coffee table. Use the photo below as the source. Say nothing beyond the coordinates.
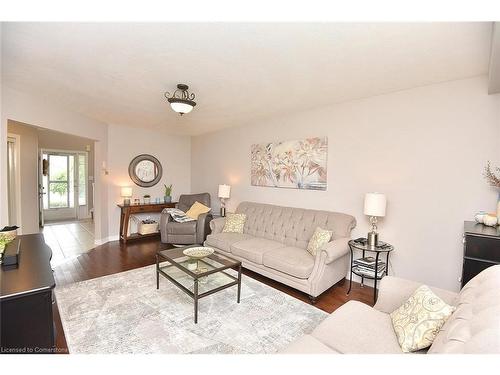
(197, 278)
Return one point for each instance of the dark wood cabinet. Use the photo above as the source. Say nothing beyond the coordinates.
(481, 249)
(26, 300)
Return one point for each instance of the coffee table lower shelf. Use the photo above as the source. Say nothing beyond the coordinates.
(210, 276)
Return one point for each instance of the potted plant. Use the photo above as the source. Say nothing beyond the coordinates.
(147, 199)
(168, 193)
(494, 181)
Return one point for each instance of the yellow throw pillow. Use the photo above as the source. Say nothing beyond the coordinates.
(419, 319)
(197, 209)
(318, 239)
(234, 223)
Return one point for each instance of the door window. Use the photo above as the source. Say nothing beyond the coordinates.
(58, 181)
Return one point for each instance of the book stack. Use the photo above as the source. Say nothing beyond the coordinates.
(366, 267)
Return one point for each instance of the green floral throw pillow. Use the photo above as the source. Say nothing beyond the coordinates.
(418, 321)
(318, 239)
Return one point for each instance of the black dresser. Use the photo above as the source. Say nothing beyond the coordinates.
(481, 249)
(26, 300)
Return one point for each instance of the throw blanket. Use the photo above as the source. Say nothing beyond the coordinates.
(178, 215)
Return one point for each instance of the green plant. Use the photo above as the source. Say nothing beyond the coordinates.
(59, 187)
(168, 190)
(147, 196)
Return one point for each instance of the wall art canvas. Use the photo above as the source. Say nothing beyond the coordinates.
(297, 164)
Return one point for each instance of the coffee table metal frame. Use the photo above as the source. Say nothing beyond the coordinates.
(226, 263)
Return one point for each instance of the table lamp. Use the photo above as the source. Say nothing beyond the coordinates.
(126, 193)
(224, 193)
(375, 204)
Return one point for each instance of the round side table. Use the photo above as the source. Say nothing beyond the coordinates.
(381, 248)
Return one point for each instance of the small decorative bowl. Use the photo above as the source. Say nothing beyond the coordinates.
(198, 252)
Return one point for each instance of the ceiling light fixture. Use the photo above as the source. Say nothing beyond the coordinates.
(181, 100)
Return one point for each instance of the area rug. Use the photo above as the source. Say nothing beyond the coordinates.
(125, 313)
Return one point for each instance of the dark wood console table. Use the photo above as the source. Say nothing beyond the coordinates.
(127, 210)
(481, 249)
(26, 299)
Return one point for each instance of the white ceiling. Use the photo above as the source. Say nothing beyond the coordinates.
(240, 73)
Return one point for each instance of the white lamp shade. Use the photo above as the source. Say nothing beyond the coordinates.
(375, 204)
(224, 191)
(181, 107)
(126, 192)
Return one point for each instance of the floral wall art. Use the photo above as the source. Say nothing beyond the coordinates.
(297, 164)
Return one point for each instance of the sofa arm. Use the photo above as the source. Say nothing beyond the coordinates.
(216, 225)
(164, 219)
(335, 249)
(203, 226)
(394, 291)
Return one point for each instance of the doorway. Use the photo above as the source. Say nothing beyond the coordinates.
(13, 181)
(63, 186)
(64, 203)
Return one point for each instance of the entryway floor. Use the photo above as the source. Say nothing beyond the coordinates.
(69, 239)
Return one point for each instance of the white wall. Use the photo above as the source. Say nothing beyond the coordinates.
(28, 166)
(114, 146)
(425, 148)
(125, 143)
(35, 110)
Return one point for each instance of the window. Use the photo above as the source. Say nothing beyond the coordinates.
(82, 177)
(58, 181)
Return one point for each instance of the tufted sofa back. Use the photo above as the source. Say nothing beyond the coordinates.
(474, 327)
(292, 226)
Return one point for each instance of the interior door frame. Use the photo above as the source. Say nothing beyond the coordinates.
(18, 202)
(76, 166)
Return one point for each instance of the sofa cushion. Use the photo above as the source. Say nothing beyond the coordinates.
(307, 344)
(254, 248)
(181, 228)
(292, 226)
(358, 328)
(224, 241)
(290, 260)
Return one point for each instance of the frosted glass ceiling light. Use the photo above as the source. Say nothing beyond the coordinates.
(181, 100)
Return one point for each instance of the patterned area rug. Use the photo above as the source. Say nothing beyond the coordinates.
(125, 313)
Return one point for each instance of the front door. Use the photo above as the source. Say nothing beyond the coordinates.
(59, 185)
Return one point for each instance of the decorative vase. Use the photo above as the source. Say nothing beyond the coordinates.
(167, 199)
(490, 220)
(479, 217)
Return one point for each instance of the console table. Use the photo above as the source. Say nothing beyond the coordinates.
(127, 210)
(26, 300)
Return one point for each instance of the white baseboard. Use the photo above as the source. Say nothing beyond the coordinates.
(102, 241)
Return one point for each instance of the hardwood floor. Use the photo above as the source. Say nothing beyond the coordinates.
(114, 257)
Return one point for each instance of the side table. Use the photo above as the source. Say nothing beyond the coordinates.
(127, 210)
(381, 248)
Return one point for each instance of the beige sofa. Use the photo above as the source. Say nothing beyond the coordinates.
(355, 327)
(274, 244)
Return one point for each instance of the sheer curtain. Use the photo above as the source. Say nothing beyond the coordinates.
(11, 179)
